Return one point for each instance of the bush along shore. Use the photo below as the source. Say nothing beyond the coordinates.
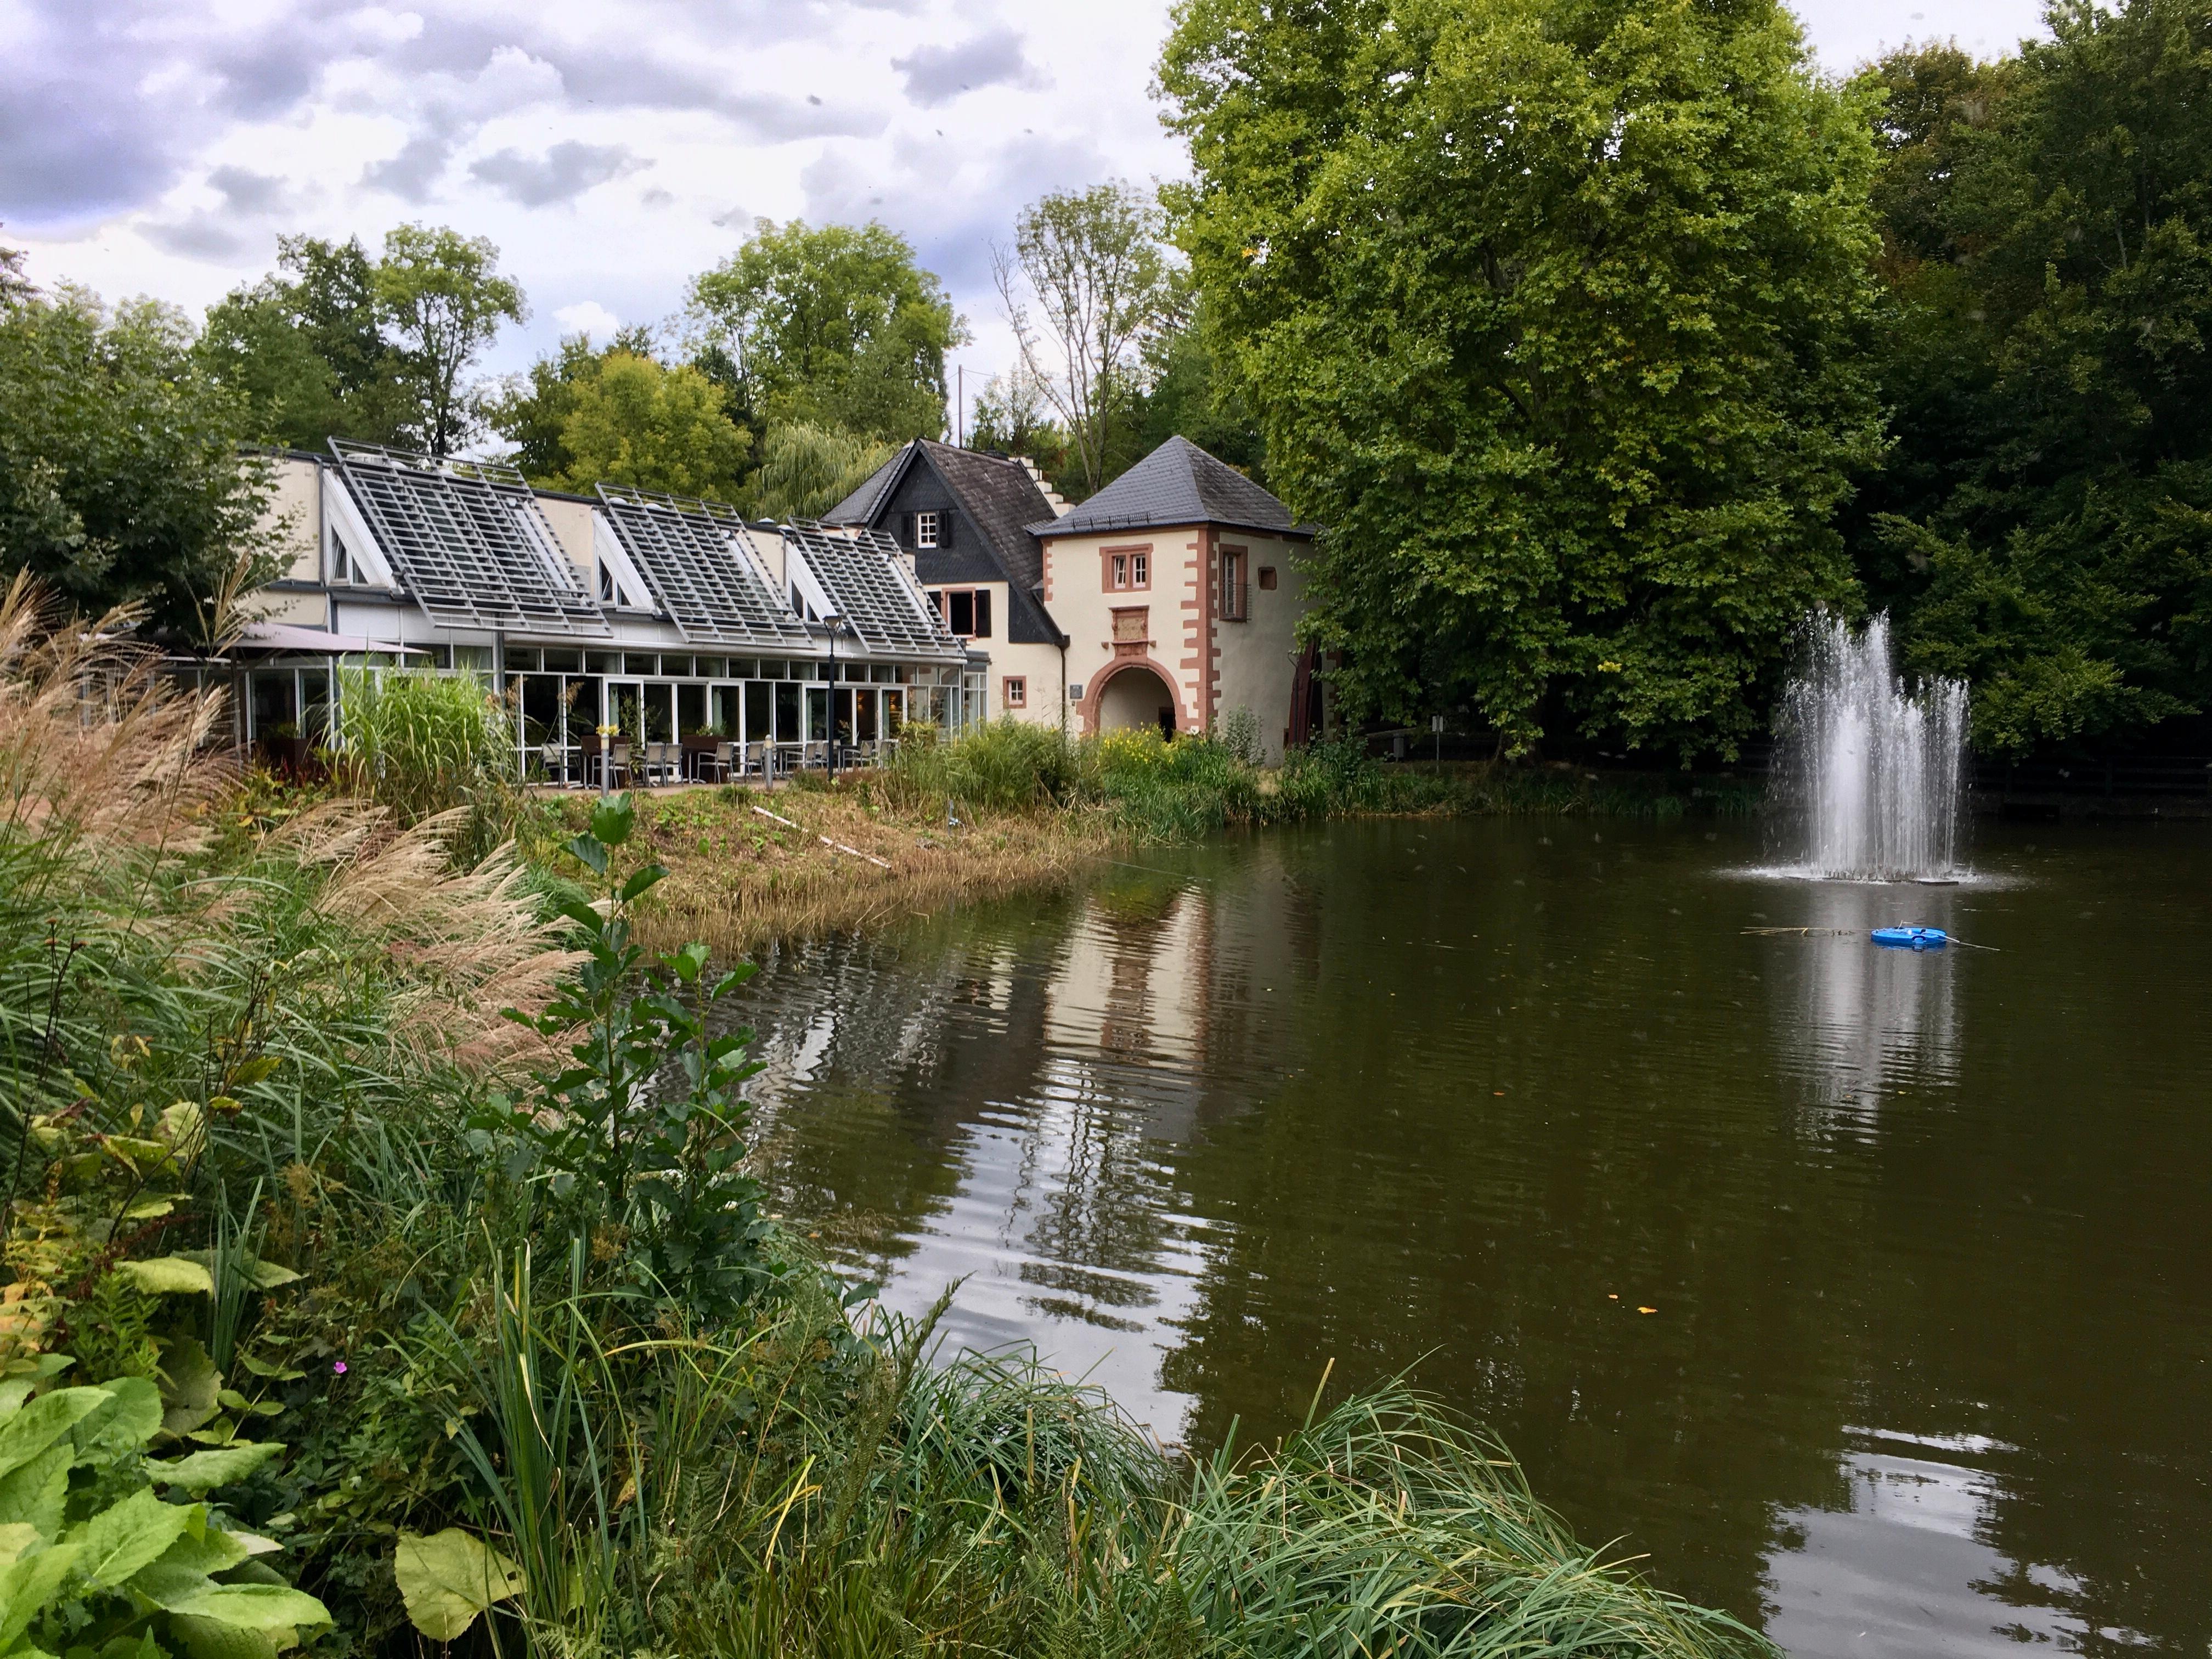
(1011, 806)
(384, 1269)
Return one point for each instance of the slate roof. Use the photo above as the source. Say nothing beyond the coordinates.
(860, 508)
(1178, 483)
(999, 499)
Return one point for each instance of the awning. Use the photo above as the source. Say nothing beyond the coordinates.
(289, 638)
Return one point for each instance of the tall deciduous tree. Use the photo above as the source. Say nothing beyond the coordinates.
(1087, 285)
(530, 410)
(1552, 311)
(441, 300)
(2047, 528)
(836, 326)
(304, 347)
(634, 421)
(120, 477)
(334, 343)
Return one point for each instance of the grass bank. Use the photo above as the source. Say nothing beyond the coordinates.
(384, 1271)
(748, 866)
(1013, 806)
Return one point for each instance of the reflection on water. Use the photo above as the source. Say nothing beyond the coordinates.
(1864, 1021)
(1905, 1570)
(1466, 1095)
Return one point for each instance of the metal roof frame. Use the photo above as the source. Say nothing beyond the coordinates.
(697, 558)
(865, 575)
(467, 541)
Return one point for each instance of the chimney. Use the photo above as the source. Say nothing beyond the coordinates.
(1053, 497)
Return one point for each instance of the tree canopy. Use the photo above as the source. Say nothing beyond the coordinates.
(2045, 525)
(334, 343)
(835, 327)
(121, 482)
(1554, 311)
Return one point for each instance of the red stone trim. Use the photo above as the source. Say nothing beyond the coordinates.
(1095, 689)
(1106, 557)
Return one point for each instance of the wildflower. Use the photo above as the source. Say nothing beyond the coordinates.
(338, 1367)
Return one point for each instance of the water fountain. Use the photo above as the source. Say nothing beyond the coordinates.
(1870, 777)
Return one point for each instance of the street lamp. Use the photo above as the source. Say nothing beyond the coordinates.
(832, 621)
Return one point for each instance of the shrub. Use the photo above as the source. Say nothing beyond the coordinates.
(420, 743)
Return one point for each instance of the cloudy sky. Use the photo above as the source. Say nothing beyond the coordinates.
(611, 149)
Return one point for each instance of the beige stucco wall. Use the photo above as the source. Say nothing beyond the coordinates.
(1252, 661)
(1256, 661)
(1076, 595)
(295, 512)
(571, 524)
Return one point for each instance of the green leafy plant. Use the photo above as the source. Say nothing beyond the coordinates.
(662, 1167)
(94, 1560)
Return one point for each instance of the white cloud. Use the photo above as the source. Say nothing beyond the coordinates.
(158, 146)
(587, 317)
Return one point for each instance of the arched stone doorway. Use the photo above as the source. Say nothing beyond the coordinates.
(1136, 697)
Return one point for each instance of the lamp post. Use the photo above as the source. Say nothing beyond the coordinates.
(831, 622)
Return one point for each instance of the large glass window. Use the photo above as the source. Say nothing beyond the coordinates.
(725, 718)
(760, 711)
(818, 712)
(690, 710)
(786, 711)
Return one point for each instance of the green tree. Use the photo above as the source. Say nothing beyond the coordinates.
(1553, 311)
(530, 410)
(1087, 286)
(835, 327)
(805, 470)
(634, 421)
(2047, 532)
(441, 302)
(304, 347)
(120, 477)
(1010, 415)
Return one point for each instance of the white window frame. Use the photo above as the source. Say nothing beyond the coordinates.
(927, 526)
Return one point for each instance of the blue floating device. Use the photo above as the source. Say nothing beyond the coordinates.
(1911, 938)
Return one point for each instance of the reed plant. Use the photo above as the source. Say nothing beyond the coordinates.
(275, 1158)
(420, 743)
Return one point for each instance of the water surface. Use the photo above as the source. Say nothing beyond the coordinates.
(1925, 1236)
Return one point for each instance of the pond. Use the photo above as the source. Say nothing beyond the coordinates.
(1865, 1294)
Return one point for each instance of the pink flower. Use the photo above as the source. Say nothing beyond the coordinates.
(339, 1367)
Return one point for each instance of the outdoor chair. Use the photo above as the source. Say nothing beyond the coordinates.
(723, 760)
(614, 763)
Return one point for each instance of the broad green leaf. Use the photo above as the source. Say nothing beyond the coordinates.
(257, 1607)
(127, 1535)
(449, 1578)
(17, 1539)
(184, 1125)
(129, 1421)
(27, 1585)
(29, 1432)
(612, 821)
(34, 1494)
(186, 1566)
(268, 1275)
(203, 1471)
(210, 1639)
(193, 1380)
(167, 1275)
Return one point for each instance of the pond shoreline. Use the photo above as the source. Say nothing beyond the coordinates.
(748, 867)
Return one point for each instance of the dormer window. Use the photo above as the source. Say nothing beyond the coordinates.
(927, 530)
(607, 592)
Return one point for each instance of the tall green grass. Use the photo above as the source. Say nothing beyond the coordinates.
(420, 742)
(1175, 789)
